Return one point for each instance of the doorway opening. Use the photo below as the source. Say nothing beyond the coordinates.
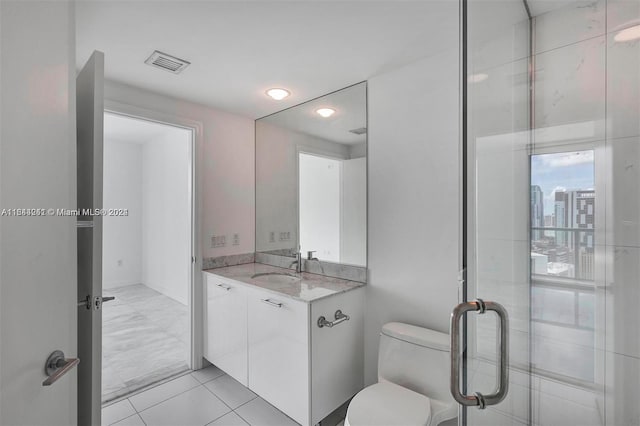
(147, 253)
(332, 204)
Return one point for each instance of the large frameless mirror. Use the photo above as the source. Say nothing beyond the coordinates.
(311, 179)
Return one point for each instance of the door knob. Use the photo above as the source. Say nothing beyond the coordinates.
(57, 366)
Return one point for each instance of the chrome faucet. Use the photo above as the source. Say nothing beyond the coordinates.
(297, 262)
(310, 257)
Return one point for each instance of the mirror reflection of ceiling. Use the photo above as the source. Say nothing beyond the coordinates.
(350, 114)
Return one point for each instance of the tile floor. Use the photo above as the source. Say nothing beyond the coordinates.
(203, 397)
(145, 339)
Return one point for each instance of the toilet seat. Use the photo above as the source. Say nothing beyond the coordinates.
(387, 404)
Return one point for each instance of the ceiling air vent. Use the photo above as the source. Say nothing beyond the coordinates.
(360, 131)
(167, 62)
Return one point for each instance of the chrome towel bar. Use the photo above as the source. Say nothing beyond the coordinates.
(339, 318)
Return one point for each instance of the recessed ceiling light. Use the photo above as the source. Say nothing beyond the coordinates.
(477, 78)
(631, 33)
(278, 94)
(326, 112)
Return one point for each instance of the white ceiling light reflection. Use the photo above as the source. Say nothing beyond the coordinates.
(326, 112)
(277, 93)
(628, 34)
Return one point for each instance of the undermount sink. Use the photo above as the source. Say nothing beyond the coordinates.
(276, 277)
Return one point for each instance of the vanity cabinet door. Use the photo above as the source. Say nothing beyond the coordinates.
(225, 328)
(279, 352)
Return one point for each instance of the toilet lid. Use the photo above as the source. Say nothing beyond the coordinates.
(387, 404)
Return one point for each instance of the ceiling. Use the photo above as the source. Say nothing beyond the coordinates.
(132, 130)
(238, 49)
(350, 107)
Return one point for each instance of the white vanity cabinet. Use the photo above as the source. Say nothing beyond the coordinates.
(304, 370)
(279, 352)
(225, 326)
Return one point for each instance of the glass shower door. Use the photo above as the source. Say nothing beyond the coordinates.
(498, 137)
(552, 121)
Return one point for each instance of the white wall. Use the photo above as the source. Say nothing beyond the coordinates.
(353, 235)
(320, 206)
(122, 235)
(414, 179)
(166, 214)
(225, 160)
(37, 170)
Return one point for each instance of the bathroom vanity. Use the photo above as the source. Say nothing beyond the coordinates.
(294, 339)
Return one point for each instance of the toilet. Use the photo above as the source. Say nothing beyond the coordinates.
(413, 381)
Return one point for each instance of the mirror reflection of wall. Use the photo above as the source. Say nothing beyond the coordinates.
(311, 179)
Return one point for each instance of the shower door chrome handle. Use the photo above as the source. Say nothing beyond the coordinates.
(479, 400)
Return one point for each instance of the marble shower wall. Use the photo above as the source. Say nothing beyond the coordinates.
(587, 96)
(622, 153)
(569, 46)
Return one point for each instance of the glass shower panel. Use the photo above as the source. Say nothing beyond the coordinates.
(568, 169)
(621, 170)
(553, 149)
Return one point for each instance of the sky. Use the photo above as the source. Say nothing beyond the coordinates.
(565, 170)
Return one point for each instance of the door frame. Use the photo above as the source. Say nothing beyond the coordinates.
(196, 308)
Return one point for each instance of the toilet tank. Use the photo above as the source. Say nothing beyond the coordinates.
(416, 358)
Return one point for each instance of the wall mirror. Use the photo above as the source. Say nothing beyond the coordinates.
(311, 179)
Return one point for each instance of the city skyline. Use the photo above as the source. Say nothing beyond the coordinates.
(565, 171)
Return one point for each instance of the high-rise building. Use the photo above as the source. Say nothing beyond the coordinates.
(574, 209)
(537, 211)
(560, 208)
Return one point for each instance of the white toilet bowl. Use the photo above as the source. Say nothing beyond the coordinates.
(413, 381)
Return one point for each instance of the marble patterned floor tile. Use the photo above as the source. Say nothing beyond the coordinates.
(131, 293)
(111, 312)
(146, 338)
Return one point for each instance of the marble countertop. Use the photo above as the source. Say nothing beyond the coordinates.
(305, 287)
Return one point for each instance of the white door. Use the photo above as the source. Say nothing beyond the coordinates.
(90, 116)
(37, 171)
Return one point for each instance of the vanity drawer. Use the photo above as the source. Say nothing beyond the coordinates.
(225, 327)
(279, 352)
